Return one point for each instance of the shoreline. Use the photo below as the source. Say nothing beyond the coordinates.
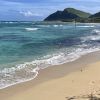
(24, 69)
(51, 73)
(38, 70)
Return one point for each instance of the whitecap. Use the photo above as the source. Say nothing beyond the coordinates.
(97, 31)
(43, 25)
(31, 29)
(55, 25)
(26, 72)
(92, 37)
(85, 26)
(60, 25)
(95, 36)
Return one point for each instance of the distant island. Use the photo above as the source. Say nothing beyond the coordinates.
(71, 14)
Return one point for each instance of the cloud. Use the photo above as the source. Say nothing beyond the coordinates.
(29, 13)
(29, 9)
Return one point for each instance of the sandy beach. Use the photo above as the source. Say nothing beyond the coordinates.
(50, 50)
(79, 79)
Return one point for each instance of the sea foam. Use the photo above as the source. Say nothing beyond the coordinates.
(61, 53)
(85, 26)
(29, 70)
(95, 36)
(31, 29)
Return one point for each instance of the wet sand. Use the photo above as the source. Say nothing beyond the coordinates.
(80, 77)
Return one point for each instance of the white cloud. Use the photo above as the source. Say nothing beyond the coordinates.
(29, 13)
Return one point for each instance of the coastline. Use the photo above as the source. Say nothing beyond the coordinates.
(48, 75)
(67, 47)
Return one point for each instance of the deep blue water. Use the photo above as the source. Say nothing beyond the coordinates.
(26, 47)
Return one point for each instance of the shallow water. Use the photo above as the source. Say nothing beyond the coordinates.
(26, 47)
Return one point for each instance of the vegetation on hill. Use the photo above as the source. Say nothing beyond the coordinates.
(95, 18)
(71, 14)
(78, 12)
(68, 14)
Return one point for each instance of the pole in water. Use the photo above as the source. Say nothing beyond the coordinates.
(75, 22)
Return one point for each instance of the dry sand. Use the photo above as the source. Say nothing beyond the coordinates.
(58, 83)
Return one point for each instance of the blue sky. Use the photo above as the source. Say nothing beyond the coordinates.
(39, 9)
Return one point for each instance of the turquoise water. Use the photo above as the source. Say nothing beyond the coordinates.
(26, 47)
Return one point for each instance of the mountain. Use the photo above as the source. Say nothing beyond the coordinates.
(68, 14)
(95, 18)
(97, 15)
(79, 13)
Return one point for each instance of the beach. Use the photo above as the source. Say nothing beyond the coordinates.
(49, 50)
(48, 61)
(77, 78)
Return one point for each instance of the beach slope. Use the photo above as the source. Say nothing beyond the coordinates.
(78, 83)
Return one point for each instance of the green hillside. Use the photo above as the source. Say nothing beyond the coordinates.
(79, 13)
(95, 18)
(68, 14)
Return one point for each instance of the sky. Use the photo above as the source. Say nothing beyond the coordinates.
(32, 10)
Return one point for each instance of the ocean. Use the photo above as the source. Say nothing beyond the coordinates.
(27, 47)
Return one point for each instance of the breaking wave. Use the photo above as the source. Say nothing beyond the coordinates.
(31, 29)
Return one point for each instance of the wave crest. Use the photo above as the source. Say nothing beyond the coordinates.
(31, 29)
(29, 70)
